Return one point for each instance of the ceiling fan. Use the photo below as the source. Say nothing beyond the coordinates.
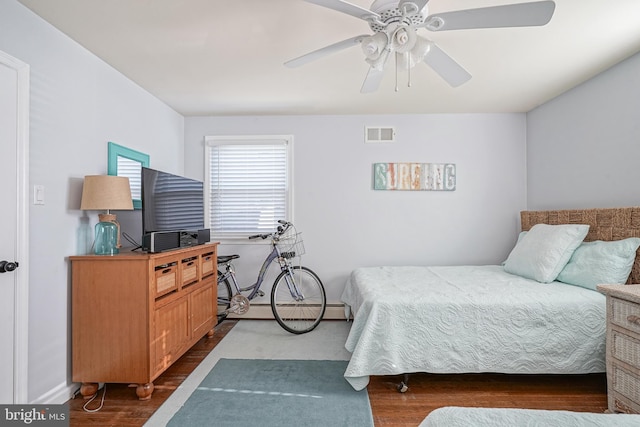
(395, 25)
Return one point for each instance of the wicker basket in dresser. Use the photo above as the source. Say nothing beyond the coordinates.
(623, 347)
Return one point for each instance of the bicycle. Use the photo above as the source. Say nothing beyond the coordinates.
(298, 298)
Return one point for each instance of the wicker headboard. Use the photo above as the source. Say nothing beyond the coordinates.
(604, 224)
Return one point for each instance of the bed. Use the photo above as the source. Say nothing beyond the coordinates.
(513, 318)
(452, 416)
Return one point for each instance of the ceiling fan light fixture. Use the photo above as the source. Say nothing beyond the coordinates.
(415, 56)
(403, 39)
(420, 49)
(373, 46)
(379, 62)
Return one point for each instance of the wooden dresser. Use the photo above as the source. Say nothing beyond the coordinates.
(623, 347)
(134, 314)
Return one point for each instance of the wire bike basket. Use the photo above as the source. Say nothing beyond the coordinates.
(291, 245)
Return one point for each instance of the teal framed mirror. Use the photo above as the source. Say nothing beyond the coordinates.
(124, 161)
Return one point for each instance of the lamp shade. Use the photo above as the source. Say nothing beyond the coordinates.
(106, 192)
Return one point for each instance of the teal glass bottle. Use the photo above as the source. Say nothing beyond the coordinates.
(106, 242)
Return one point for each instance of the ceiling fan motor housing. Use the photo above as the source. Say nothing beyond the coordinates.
(390, 12)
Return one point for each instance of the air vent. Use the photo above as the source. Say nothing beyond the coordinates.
(379, 134)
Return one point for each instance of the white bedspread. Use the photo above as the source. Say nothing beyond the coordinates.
(451, 416)
(468, 319)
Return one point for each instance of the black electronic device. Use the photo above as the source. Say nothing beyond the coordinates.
(160, 241)
(172, 211)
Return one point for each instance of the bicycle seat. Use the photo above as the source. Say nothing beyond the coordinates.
(226, 258)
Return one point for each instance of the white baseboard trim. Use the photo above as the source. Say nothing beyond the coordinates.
(263, 311)
(58, 395)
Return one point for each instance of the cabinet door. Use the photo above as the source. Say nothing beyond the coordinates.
(172, 333)
(203, 310)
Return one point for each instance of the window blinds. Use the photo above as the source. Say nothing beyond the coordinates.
(248, 186)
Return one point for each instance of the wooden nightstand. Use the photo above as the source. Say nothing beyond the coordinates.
(623, 347)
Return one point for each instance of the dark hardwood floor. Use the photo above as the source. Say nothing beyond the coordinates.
(583, 393)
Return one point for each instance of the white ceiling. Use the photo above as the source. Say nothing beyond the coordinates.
(213, 57)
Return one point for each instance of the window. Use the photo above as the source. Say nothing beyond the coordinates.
(248, 184)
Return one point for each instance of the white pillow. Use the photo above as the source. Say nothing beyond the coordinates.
(599, 262)
(542, 253)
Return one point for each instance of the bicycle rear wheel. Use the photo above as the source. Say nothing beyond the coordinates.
(224, 297)
(298, 300)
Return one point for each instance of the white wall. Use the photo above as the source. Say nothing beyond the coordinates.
(583, 146)
(346, 224)
(78, 104)
(580, 152)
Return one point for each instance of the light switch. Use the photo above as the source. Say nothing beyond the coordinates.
(38, 194)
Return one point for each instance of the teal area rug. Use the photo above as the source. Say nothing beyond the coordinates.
(282, 393)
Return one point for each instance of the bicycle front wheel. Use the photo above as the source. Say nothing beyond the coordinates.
(298, 300)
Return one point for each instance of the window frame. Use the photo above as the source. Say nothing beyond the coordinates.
(115, 151)
(215, 140)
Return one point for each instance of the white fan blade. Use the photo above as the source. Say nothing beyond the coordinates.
(325, 51)
(512, 15)
(346, 7)
(420, 4)
(446, 67)
(372, 81)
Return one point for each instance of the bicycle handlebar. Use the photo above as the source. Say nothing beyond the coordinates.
(279, 231)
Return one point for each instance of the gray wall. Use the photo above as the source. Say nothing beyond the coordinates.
(346, 224)
(78, 104)
(583, 146)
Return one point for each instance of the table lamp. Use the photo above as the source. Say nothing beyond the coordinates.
(106, 192)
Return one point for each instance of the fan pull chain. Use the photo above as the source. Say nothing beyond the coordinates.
(397, 73)
(398, 59)
(408, 70)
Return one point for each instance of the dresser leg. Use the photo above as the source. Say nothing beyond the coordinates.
(144, 391)
(87, 390)
(210, 333)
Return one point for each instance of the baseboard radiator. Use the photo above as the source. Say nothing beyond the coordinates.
(263, 311)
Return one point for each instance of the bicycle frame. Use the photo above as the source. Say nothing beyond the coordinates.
(255, 288)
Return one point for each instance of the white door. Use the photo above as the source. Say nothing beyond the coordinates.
(14, 84)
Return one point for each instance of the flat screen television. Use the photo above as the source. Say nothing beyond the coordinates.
(171, 202)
